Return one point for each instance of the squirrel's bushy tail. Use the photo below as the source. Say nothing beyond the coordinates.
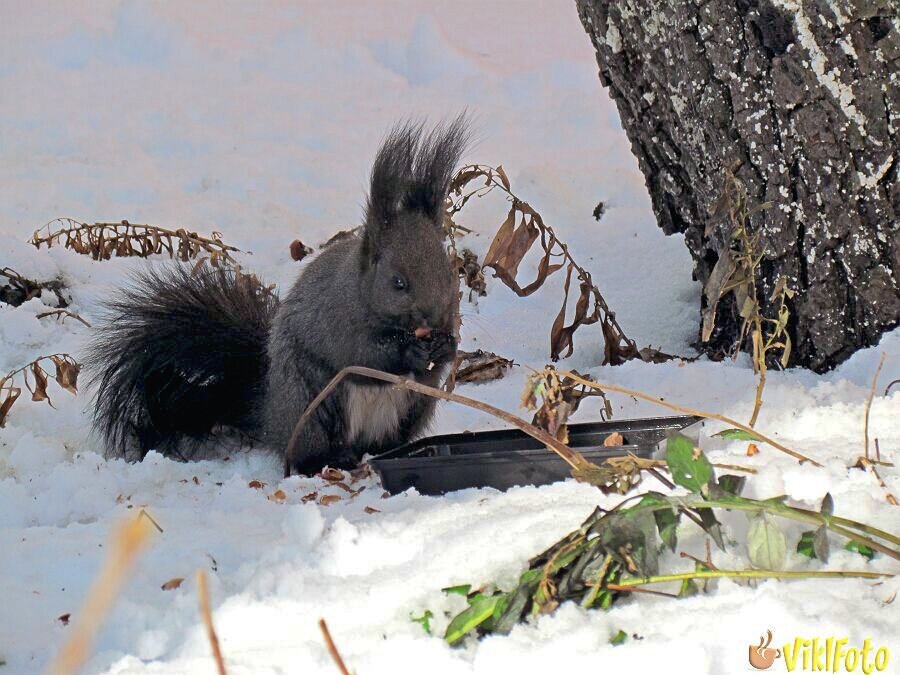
(180, 355)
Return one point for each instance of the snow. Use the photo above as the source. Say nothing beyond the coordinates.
(261, 122)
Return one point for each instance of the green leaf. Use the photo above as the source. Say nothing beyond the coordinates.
(805, 545)
(509, 612)
(731, 484)
(477, 613)
(462, 589)
(667, 524)
(737, 435)
(862, 549)
(820, 543)
(688, 588)
(689, 467)
(424, 620)
(766, 543)
(712, 526)
(619, 638)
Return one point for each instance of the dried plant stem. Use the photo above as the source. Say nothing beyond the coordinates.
(619, 347)
(572, 458)
(690, 411)
(751, 574)
(62, 313)
(332, 649)
(887, 389)
(869, 402)
(206, 613)
(73, 225)
(127, 543)
(760, 382)
(11, 374)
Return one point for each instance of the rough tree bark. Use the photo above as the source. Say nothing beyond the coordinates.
(803, 95)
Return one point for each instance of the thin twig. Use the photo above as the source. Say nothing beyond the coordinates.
(332, 649)
(637, 589)
(574, 459)
(127, 543)
(706, 563)
(887, 389)
(869, 402)
(690, 411)
(206, 613)
(62, 313)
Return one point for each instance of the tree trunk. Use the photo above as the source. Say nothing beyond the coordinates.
(803, 96)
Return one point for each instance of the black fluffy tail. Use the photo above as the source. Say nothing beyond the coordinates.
(180, 355)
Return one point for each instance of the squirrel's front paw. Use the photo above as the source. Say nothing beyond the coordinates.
(417, 356)
(442, 348)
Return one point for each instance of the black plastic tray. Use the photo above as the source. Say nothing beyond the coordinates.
(503, 459)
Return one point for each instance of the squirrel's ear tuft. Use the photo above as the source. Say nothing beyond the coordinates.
(412, 172)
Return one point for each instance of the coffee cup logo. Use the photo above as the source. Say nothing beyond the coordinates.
(762, 656)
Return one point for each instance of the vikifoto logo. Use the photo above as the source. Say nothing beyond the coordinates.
(819, 655)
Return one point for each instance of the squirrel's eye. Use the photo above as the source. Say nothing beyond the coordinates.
(399, 283)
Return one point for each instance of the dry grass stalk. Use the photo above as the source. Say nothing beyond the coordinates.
(332, 648)
(127, 542)
(690, 411)
(206, 613)
(869, 403)
(574, 459)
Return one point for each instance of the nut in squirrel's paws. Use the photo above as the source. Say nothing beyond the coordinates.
(430, 365)
(422, 333)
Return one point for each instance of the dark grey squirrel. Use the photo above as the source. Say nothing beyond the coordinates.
(183, 354)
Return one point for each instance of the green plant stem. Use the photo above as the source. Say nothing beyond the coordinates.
(753, 574)
(802, 515)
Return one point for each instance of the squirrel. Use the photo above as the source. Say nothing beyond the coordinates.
(183, 354)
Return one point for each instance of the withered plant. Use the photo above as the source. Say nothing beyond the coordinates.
(736, 272)
(66, 371)
(103, 240)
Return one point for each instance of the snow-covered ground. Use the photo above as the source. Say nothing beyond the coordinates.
(260, 120)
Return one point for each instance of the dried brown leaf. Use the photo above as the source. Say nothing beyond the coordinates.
(331, 474)
(325, 500)
(613, 440)
(10, 394)
(39, 393)
(172, 584)
(66, 373)
(481, 366)
(721, 274)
